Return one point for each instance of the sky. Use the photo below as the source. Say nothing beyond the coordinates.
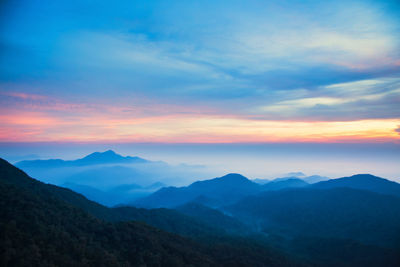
(200, 72)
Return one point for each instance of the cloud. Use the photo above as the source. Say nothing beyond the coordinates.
(397, 130)
(365, 99)
(153, 62)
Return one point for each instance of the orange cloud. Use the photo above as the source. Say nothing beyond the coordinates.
(46, 119)
(187, 128)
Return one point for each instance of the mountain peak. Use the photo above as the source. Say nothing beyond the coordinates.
(226, 182)
(364, 182)
(108, 156)
(233, 176)
(364, 176)
(108, 153)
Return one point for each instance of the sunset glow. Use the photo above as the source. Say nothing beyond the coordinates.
(145, 73)
(108, 124)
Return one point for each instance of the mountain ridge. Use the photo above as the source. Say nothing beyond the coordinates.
(334, 212)
(60, 227)
(95, 158)
(364, 182)
(218, 191)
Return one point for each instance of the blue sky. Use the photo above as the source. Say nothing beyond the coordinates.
(238, 62)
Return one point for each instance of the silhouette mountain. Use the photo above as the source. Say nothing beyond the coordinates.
(261, 181)
(214, 218)
(362, 181)
(330, 213)
(107, 157)
(162, 218)
(46, 225)
(98, 173)
(284, 183)
(37, 227)
(215, 192)
(308, 179)
(314, 179)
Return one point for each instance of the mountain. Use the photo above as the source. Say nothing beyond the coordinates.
(314, 179)
(261, 181)
(215, 192)
(107, 157)
(296, 174)
(98, 174)
(299, 175)
(38, 228)
(103, 172)
(115, 195)
(169, 220)
(281, 183)
(214, 218)
(364, 182)
(90, 193)
(104, 177)
(46, 225)
(360, 215)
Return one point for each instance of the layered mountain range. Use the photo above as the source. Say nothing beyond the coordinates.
(224, 221)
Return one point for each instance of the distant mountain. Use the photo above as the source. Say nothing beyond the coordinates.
(20, 157)
(90, 193)
(215, 192)
(279, 184)
(364, 182)
(314, 179)
(296, 174)
(308, 179)
(46, 225)
(107, 157)
(332, 213)
(105, 171)
(261, 181)
(106, 176)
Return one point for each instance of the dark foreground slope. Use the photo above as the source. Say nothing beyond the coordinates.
(360, 215)
(333, 227)
(38, 227)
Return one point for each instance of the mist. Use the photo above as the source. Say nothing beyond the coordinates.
(193, 162)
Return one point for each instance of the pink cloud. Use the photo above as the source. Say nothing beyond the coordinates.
(397, 130)
(25, 96)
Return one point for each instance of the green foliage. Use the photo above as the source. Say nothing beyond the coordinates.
(45, 225)
(42, 230)
(42, 225)
(364, 216)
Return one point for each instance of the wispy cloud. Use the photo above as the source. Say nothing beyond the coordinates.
(157, 64)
